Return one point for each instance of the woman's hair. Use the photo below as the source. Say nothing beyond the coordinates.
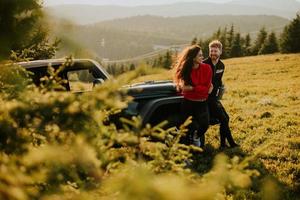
(183, 66)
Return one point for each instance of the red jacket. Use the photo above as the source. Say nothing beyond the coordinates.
(201, 78)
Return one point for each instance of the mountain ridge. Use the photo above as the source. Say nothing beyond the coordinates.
(129, 37)
(90, 14)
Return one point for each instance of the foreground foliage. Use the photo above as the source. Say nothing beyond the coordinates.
(54, 146)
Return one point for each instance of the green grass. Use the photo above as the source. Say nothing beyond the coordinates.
(263, 101)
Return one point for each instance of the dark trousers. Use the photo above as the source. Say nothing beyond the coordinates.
(217, 110)
(200, 119)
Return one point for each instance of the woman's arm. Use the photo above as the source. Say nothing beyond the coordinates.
(210, 88)
(187, 88)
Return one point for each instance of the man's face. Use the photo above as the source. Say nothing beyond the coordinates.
(214, 53)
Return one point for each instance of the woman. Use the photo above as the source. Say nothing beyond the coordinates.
(193, 79)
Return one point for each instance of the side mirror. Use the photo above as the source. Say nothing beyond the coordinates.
(98, 81)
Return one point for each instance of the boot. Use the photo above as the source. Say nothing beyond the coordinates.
(202, 140)
(196, 139)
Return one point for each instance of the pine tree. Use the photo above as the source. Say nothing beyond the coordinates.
(154, 63)
(270, 46)
(229, 40)
(236, 49)
(204, 46)
(122, 68)
(21, 28)
(159, 61)
(242, 44)
(217, 34)
(132, 67)
(194, 41)
(260, 40)
(167, 60)
(112, 69)
(290, 38)
(223, 39)
(247, 45)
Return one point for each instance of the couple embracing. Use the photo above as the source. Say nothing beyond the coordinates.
(200, 82)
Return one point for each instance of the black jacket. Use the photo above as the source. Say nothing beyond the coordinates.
(218, 71)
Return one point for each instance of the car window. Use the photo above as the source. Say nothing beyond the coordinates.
(37, 74)
(80, 80)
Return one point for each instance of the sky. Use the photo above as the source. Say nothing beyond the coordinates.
(123, 2)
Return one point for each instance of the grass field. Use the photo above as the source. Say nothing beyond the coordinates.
(263, 101)
(54, 145)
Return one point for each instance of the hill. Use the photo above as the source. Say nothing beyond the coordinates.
(130, 37)
(191, 26)
(89, 14)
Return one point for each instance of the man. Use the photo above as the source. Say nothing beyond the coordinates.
(216, 109)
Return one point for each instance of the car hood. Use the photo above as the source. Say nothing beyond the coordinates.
(151, 89)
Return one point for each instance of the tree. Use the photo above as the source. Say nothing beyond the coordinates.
(204, 46)
(167, 60)
(132, 67)
(113, 68)
(260, 40)
(21, 28)
(194, 41)
(236, 49)
(154, 64)
(160, 61)
(290, 38)
(247, 45)
(122, 68)
(223, 39)
(37, 51)
(217, 34)
(270, 46)
(229, 40)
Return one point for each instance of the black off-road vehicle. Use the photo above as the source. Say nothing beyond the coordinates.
(154, 101)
